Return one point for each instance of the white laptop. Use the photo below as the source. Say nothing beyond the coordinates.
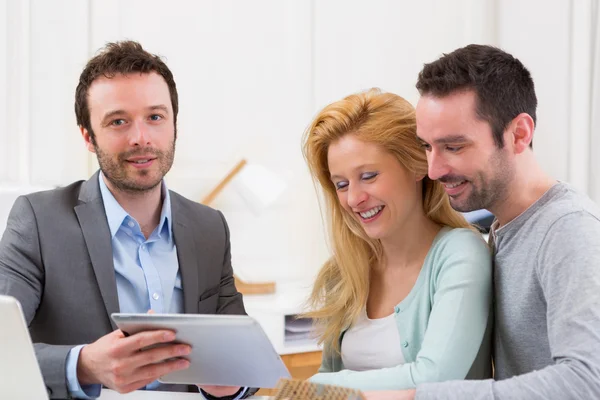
(20, 375)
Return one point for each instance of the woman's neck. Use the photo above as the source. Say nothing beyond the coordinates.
(409, 245)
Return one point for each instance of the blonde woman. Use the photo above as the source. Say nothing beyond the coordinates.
(406, 296)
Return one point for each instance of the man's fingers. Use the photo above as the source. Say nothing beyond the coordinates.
(154, 371)
(116, 334)
(146, 375)
(142, 340)
(159, 354)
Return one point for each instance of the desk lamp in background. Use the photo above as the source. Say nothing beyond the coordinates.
(259, 188)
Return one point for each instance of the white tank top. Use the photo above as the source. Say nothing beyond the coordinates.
(372, 344)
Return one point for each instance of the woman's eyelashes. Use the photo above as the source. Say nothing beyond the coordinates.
(366, 176)
(341, 185)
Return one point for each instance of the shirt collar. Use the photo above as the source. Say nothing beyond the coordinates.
(116, 215)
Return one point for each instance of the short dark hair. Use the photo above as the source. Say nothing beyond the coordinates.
(502, 85)
(123, 57)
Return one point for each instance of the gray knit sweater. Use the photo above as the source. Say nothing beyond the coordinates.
(547, 306)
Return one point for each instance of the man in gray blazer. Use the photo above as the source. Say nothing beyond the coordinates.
(120, 241)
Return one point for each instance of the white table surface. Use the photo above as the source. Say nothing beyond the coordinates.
(108, 394)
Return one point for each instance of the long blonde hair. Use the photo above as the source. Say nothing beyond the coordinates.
(342, 285)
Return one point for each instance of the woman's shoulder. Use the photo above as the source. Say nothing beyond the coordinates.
(459, 243)
(458, 239)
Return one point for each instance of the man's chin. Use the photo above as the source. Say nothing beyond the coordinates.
(145, 187)
(137, 185)
(461, 204)
(466, 204)
(461, 201)
(461, 208)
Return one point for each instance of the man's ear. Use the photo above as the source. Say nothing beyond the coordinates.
(87, 138)
(521, 128)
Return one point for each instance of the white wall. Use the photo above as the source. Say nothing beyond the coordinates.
(250, 77)
(39, 140)
(555, 42)
(40, 146)
(541, 40)
(384, 43)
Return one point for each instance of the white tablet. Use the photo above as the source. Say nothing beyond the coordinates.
(229, 350)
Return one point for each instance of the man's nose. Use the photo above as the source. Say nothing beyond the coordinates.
(139, 136)
(436, 166)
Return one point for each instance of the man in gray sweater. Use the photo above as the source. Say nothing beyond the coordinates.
(476, 119)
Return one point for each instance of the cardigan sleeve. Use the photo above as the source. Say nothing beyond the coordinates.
(326, 360)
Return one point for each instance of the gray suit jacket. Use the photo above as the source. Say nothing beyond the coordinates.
(56, 258)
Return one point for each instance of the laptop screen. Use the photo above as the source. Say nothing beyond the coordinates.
(20, 375)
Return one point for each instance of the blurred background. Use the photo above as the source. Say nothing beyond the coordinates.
(252, 74)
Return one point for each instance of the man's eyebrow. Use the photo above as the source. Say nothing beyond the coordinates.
(448, 139)
(159, 107)
(112, 114)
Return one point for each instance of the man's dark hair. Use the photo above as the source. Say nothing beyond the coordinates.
(502, 85)
(124, 57)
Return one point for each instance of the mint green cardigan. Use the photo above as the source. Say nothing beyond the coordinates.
(444, 322)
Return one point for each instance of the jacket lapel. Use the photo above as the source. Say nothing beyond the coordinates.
(188, 249)
(92, 219)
